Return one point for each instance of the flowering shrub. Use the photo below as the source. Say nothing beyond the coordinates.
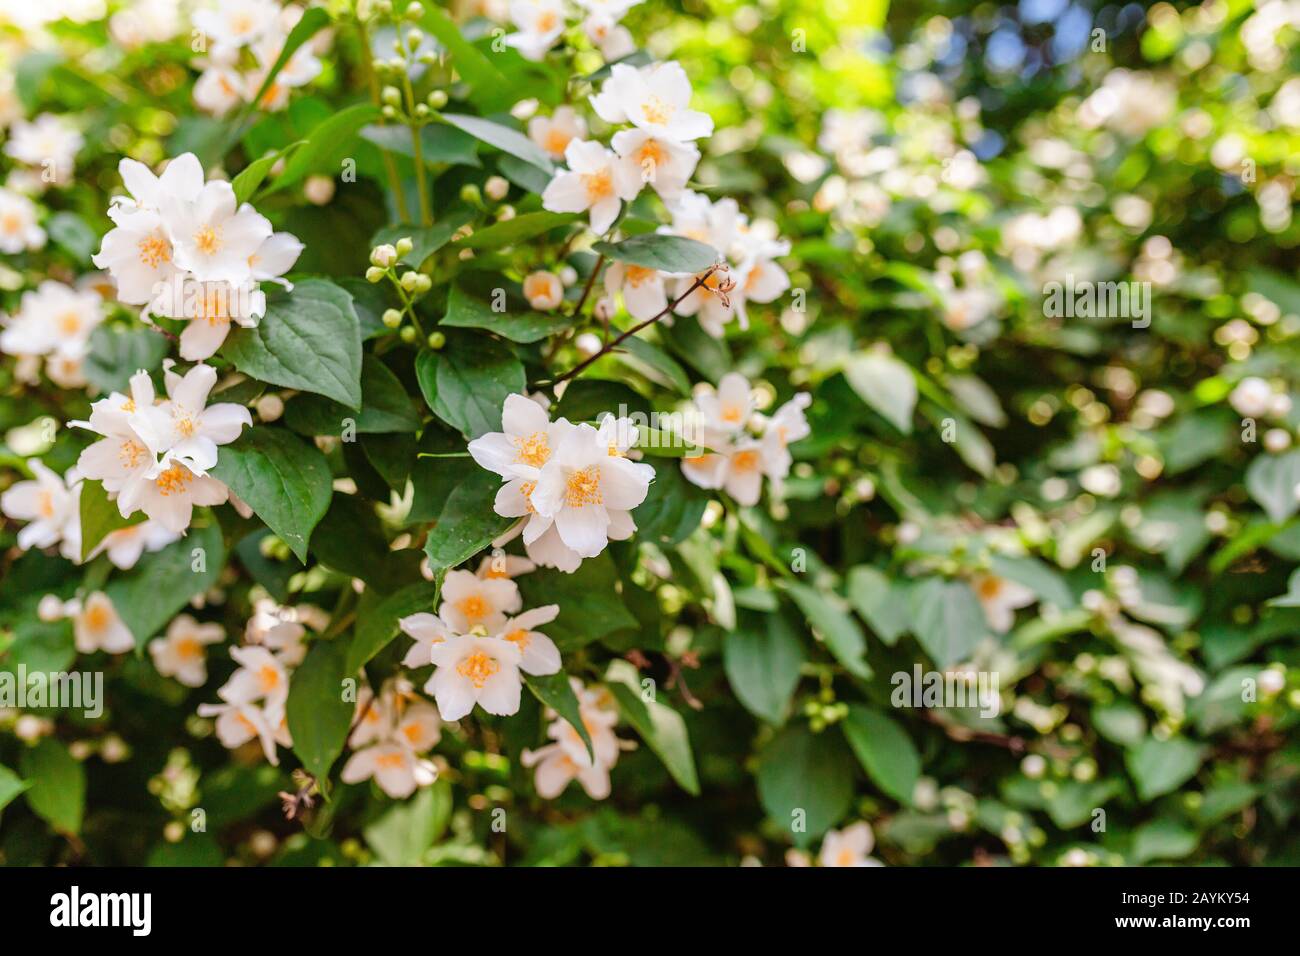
(479, 437)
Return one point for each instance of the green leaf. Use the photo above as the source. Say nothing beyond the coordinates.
(841, 633)
(385, 407)
(376, 629)
(425, 240)
(1163, 839)
(250, 179)
(351, 540)
(886, 384)
(1271, 481)
(885, 751)
(1046, 582)
(882, 602)
(947, 620)
(404, 833)
(805, 782)
(56, 785)
(762, 665)
(1161, 766)
(661, 727)
(476, 68)
(309, 339)
(319, 717)
(664, 253)
(116, 354)
(148, 596)
(514, 231)
(326, 145)
(467, 523)
(556, 692)
(100, 517)
(71, 233)
(473, 377)
(661, 443)
(673, 508)
(311, 22)
(11, 785)
(502, 137)
(1120, 722)
(283, 479)
(653, 362)
(590, 600)
(466, 312)
(438, 144)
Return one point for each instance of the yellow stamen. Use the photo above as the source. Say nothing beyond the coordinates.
(477, 668)
(583, 488)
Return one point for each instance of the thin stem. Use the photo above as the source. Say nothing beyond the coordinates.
(610, 346)
(368, 67)
(417, 148)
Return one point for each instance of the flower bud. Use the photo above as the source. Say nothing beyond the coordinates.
(374, 274)
(383, 256)
(410, 281)
(437, 340)
(414, 11)
(414, 38)
(407, 334)
(390, 112)
(496, 188)
(423, 283)
(392, 318)
(437, 99)
(470, 193)
(269, 407)
(391, 95)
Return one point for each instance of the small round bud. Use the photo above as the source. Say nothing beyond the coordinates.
(496, 188)
(421, 111)
(410, 281)
(437, 340)
(414, 11)
(50, 608)
(404, 245)
(383, 7)
(407, 334)
(470, 193)
(269, 407)
(506, 213)
(374, 274)
(437, 99)
(423, 283)
(392, 318)
(390, 112)
(414, 38)
(383, 256)
(391, 95)
(318, 190)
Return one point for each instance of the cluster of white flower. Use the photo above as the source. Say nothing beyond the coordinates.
(743, 445)
(477, 647)
(541, 23)
(187, 250)
(96, 625)
(246, 37)
(657, 148)
(52, 506)
(573, 484)
(254, 698)
(154, 455)
(180, 653)
(20, 229)
(48, 145)
(567, 758)
(391, 733)
(54, 322)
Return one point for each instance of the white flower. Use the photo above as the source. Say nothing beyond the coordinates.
(213, 236)
(596, 180)
(96, 626)
(848, 847)
(180, 652)
(475, 670)
(125, 545)
(47, 141)
(418, 726)
(642, 288)
(138, 255)
(46, 502)
(238, 723)
(735, 468)
(469, 601)
(183, 429)
(588, 492)
(427, 630)
(543, 290)
(260, 676)
(654, 98)
(713, 223)
(53, 318)
(1252, 398)
(299, 70)
(787, 425)
(556, 769)
(613, 41)
(119, 459)
(219, 89)
(540, 24)
(18, 229)
(568, 759)
(275, 257)
(538, 654)
(279, 629)
(1000, 598)
(727, 411)
(659, 160)
(554, 133)
(169, 494)
(236, 23)
(182, 180)
(396, 769)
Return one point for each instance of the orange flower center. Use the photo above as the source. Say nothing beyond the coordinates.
(477, 668)
(583, 488)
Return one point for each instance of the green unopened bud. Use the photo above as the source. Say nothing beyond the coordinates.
(407, 334)
(437, 340)
(404, 245)
(392, 318)
(410, 281)
(383, 256)
(470, 193)
(414, 38)
(414, 11)
(374, 274)
(423, 283)
(428, 58)
(390, 112)
(383, 7)
(437, 99)
(391, 95)
(421, 111)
